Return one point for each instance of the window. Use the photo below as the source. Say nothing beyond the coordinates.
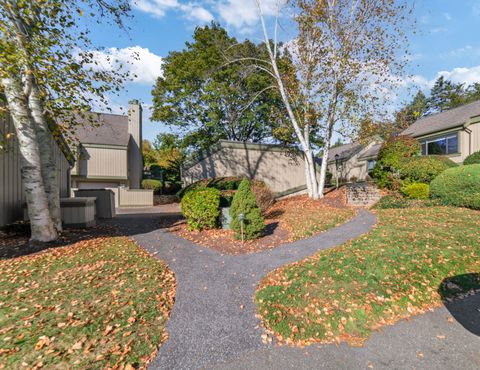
(370, 164)
(440, 145)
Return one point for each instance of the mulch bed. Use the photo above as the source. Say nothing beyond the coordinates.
(278, 229)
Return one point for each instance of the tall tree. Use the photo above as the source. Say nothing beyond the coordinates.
(209, 98)
(414, 110)
(345, 53)
(43, 75)
(445, 95)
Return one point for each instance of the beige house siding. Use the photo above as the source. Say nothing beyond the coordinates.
(280, 170)
(12, 194)
(468, 141)
(102, 162)
(354, 168)
(135, 197)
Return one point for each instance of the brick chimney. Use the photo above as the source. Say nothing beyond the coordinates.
(135, 158)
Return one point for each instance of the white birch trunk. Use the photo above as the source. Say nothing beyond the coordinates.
(310, 177)
(40, 221)
(47, 158)
(323, 168)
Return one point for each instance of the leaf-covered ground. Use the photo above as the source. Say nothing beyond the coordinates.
(399, 269)
(287, 220)
(304, 217)
(95, 304)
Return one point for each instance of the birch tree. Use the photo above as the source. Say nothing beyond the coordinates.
(47, 71)
(348, 56)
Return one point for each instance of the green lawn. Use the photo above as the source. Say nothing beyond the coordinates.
(96, 304)
(392, 272)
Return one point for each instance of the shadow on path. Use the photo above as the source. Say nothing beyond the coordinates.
(458, 301)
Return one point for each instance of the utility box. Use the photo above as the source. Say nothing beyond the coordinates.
(105, 203)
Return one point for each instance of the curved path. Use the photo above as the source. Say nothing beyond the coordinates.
(213, 319)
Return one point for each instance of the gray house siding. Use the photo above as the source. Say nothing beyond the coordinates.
(12, 195)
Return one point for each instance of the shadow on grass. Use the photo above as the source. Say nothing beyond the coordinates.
(16, 243)
(458, 296)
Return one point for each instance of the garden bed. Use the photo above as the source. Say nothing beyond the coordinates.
(287, 220)
(413, 260)
(98, 303)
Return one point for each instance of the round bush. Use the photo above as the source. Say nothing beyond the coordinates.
(200, 207)
(458, 186)
(244, 202)
(385, 172)
(417, 190)
(263, 196)
(424, 168)
(151, 184)
(472, 159)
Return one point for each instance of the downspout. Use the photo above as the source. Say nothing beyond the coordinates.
(469, 132)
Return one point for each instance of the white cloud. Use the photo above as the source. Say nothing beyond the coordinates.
(143, 65)
(195, 12)
(447, 16)
(158, 8)
(241, 13)
(464, 75)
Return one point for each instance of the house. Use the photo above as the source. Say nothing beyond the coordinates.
(354, 161)
(281, 168)
(12, 194)
(454, 133)
(110, 156)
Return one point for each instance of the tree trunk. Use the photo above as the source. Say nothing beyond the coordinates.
(47, 158)
(41, 223)
(311, 173)
(323, 169)
(307, 177)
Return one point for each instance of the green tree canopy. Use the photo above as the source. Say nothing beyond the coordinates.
(211, 91)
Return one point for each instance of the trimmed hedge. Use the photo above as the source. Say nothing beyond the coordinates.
(472, 159)
(424, 168)
(458, 186)
(244, 202)
(417, 190)
(385, 172)
(200, 207)
(155, 185)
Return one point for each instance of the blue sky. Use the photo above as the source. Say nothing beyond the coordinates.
(446, 41)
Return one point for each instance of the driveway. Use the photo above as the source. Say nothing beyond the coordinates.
(213, 323)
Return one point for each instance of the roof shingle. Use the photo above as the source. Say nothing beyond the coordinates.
(107, 129)
(443, 121)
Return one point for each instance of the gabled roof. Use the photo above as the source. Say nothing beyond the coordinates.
(107, 129)
(443, 121)
(371, 152)
(344, 151)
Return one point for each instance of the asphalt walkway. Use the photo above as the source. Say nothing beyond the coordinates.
(213, 323)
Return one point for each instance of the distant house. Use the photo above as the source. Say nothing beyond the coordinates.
(281, 168)
(110, 156)
(454, 133)
(354, 161)
(12, 193)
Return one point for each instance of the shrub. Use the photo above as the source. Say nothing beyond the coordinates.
(200, 207)
(263, 196)
(244, 202)
(458, 186)
(417, 190)
(220, 183)
(385, 172)
(424, 168)
(151, 184)
(472, 159)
